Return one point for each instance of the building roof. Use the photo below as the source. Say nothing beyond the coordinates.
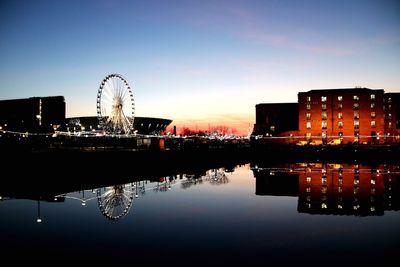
(340, 90)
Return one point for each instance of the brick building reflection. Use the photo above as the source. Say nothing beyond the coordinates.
(338, 189)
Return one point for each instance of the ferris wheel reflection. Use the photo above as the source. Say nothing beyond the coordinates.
(115, 201)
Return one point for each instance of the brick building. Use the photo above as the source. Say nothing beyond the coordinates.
(348, 115)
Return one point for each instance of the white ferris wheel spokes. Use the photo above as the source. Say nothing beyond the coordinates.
(115, 105)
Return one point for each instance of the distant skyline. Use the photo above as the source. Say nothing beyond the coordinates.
(198, 63)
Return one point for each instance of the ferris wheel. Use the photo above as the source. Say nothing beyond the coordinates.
(115, 105)
(115, 201)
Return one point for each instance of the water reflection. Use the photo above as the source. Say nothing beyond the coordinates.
(339, 189)
(115, 201)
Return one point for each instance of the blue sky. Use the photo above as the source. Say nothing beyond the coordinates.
(197, 62)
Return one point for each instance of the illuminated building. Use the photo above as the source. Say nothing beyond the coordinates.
(333, 116)
(350, 115)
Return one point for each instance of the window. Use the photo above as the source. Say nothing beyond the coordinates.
(340, 190)
(340, 98)
(356, 124)
(324, 125)
(373, 124)
(308, 106)
(340, 180)
(372, 105)
(324, 180)
(356, 105)
(390, 124)
(390, 116)
(372, 181)
(308, 179)
(372, 97)
(389, 107)
(340, 124)
(389, 100)
(324, 189)
(373, 115)
(323, 106)
(323, 98)
(308, 98)
(308, 125)
(356, 98)
(340, 115)
(324, 115)
(308, 116)
(356, 114)
(308, 189)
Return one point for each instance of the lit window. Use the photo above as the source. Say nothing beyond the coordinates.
(308, 116)
(373, 124)
(372, 181)
(389, 107)
(308, 106)
(308, 179)
(356, 98)
(340, 106)
(372, 97)
(324, 125)
(308, 134)
(272, 128)
(356, 181)
(324, 115)
(356, 124)
(340, 180)
(308, 98)
(323, 98)
(356, 188)
(324, 180)
(323, 106)
(308, 125)
(340, 190)
(324, 206)
(340, 115)
(340, 124)
(390, 124)
(373, 114)
(340, 98)
(356, 114)
(324, 189)
(390, 116)
(308, 189)
(389, 100)
(372, 105)
(356, 105)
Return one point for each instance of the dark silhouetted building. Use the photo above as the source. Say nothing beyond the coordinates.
(274, 119)
(143, 125)
(35, 114)
(392, 116)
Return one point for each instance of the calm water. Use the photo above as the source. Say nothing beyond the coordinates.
(325, 214)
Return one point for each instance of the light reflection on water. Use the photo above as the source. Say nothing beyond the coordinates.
(247, 215)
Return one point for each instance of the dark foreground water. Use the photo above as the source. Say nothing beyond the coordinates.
(299, 214)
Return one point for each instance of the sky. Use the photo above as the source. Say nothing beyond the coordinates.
(199, 63)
